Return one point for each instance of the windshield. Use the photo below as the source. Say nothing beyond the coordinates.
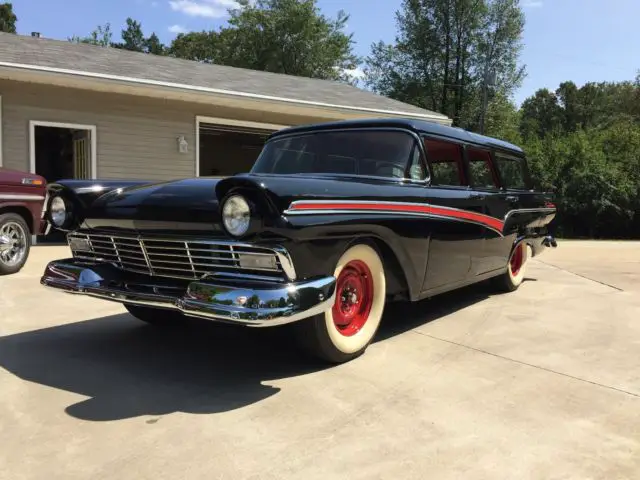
(376, 153)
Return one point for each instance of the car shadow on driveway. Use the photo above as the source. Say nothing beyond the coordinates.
(129, 369)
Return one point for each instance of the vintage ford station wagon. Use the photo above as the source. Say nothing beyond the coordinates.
(333, 221)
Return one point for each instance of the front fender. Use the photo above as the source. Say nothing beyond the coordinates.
(80, 194)
(317, 242)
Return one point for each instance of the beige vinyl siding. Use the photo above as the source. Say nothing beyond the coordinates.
(136, 136)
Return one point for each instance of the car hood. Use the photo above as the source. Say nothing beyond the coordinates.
(183, 204)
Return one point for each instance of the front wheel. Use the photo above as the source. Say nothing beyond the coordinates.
(15, 243)
(514, 276)
(345, 331)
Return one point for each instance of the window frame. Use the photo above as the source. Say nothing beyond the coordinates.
(461, 162)
(525, 170)
(405, 179)
(495, 175)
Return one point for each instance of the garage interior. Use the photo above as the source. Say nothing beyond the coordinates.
(228, 150)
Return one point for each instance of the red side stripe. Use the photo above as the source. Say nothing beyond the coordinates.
(417, 208)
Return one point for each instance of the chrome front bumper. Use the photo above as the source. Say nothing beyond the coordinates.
(237, 300)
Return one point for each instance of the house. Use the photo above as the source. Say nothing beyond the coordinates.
(81, 111)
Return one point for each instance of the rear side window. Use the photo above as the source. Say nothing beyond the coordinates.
(480, 170)
(445, 160)
(511, 172)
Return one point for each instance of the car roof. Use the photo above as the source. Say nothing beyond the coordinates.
(417, 126)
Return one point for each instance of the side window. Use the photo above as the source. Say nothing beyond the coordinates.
(445, 160)
(512, 172)
(480, 171)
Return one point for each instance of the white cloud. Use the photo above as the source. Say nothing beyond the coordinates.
(532, 3)
(177, 29)
(355, 73)
(204, 8)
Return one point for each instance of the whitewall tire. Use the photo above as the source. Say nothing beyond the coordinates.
(516, 268)
(346, 330)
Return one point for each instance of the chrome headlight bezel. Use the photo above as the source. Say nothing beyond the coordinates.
(236, 215)
(58, 211)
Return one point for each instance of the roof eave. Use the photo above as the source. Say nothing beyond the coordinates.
(176, 91)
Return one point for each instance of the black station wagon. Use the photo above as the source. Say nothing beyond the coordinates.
(333, 221)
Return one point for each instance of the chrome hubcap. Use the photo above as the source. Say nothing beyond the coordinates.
(13, 243)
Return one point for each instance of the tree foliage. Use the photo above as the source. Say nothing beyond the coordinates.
(8, 19)
(444, 51)
(133, 39)
(100, 36)
(585, 143)
(282, 36)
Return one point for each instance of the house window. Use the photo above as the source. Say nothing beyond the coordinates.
(512, 172)
(480, 169)
(445, 159)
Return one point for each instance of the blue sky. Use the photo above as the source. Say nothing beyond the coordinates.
(579, 40)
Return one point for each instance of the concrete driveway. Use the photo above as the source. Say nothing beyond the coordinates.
(543, 383)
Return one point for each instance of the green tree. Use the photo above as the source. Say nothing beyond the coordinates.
(443, 53)
(586, 142)
(133, 39)
(282, 36)
(541, 114)
(132, 36)
(154, 46)
(101, 36)
(8, 19)
(198, 46)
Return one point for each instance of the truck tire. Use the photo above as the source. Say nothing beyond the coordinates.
(15, 243)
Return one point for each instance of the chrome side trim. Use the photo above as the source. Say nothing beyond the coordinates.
(406, 214)
(19, 196)
(529, 210)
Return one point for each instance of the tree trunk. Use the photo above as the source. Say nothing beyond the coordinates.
(447, 55)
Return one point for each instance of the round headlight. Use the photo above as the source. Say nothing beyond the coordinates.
(58, 211)
(236, 215)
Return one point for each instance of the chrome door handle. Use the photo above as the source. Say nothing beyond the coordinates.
(477, 196)
(512, 198)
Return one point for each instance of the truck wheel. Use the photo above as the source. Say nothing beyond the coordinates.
(15, 243)
(513, 277)
(154, 316)
(345, 331)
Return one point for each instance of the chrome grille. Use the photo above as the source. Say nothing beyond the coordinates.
(175, 258)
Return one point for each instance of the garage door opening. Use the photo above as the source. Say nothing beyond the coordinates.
(225, 150)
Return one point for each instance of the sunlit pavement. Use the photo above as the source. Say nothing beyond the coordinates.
(542, 383)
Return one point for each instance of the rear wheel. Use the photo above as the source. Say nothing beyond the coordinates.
(15, 243)
(154, 316)
(345, 331)
(513, 277)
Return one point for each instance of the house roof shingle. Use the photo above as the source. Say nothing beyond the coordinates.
(57, 54)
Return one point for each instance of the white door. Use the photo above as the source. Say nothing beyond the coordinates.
(82, 154)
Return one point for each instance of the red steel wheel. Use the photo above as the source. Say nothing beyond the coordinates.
(517, 259)
(354, 297)
(516, 268)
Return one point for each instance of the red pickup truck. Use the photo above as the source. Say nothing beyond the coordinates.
(22, 198)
